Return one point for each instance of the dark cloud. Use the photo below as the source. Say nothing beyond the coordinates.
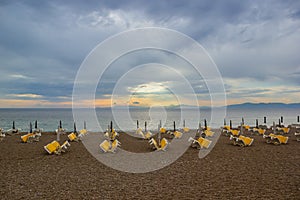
(45, 41)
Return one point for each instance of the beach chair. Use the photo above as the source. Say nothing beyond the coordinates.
(226, 130)
(284, 130)
(139, 132)
(234, 132)
(259, 131)
(72, 137)
(176, 134)
(31, 136)
(147, 135)
(209, 133)
(82, 133)
(111, 135)
(28, 137)
(55, 148)
(241, 140)
(246, 127)
(162, 130)
(13, 130)
(163, 144)
(186, 129)
(200, 142)
(109, 146)
(276, 139)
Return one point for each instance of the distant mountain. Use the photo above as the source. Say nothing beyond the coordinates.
(265, 105)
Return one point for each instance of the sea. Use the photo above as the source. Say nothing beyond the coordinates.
(99, 119)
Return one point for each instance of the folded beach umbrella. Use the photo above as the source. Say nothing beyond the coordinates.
(185, 129)
(35, 124)
(230, 124)
(13, 126)
(281, 119)
(174, 124)
(298, 119)
(279, 122)
(256, 123)
(205, 124)
(137, 124)
(224, 122)
(30, 127)
(75, 131)
(265, 120)
(243, 122)
(111, 126)
(84, 125)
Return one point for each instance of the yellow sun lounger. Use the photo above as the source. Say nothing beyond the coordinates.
(176, 134)
(246, 127)
(55, 147)
(260, 131)
(283, 129)
(111, 135)
(82, 133)
(163, 144)
(209, 133)
(202, 142)
(27, 138)
(242, 140)
(162, 130)
(276, 139)
(186, 129)
(235, 132)
(72, 137)
(108, 146)
(147, 135)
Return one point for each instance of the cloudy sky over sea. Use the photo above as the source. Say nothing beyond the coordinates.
(255, 45)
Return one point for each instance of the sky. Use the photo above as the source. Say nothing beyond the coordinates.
(254, 44)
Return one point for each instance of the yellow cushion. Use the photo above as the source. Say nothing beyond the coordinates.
(105, 145)
(148, 135)
(186, 129)
(163, 144)
(261, 131)
(83, 131)
(286, 129)
(246, 140)
(204, 143)
(26, 137)
(209, 133)
(162, 130)
(72, 136)
(235, 132)
(177, 134)
(52, 147)
(282, 139)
